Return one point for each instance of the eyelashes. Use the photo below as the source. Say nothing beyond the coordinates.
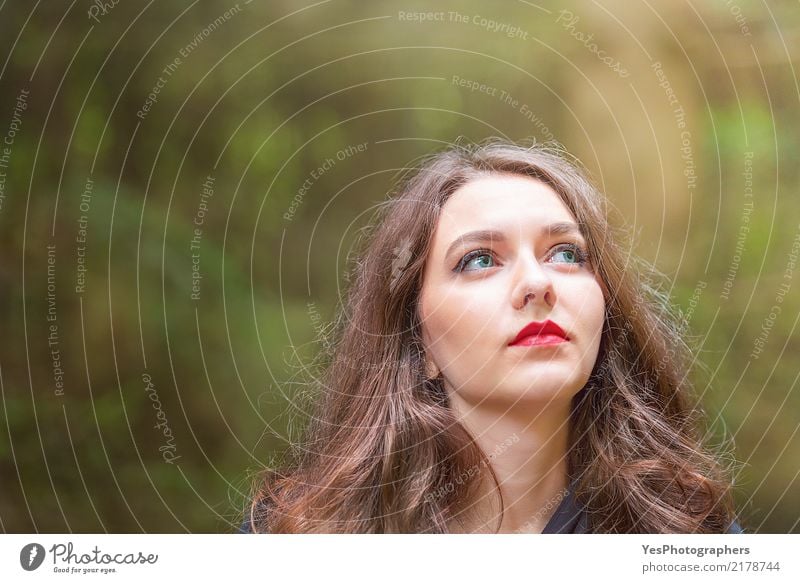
(577, 256)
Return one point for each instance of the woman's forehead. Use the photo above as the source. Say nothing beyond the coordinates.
(503, 202)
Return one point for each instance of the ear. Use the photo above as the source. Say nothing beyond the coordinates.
(431, 370)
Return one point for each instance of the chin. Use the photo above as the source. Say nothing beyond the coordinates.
(550, 385)
(536, 401)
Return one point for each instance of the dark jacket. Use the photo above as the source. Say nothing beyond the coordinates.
(569, 518)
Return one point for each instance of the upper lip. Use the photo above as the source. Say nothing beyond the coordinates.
(534, 328)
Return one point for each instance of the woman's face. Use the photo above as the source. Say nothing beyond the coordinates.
(479, 293)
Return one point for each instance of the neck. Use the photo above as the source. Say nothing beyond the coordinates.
(527, 449)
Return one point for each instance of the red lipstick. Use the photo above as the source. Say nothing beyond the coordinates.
(547, 332)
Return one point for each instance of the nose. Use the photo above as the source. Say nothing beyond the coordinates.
(532, 283)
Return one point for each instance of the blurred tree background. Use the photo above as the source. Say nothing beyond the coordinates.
(181, 184)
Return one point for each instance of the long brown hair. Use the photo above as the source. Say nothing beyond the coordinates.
(383, 451)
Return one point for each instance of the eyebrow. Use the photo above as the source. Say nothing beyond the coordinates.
(551, 230)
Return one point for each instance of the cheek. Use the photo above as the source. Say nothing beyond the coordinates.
(443, 321)
(455, 321)
(432, 321)
(591, 310)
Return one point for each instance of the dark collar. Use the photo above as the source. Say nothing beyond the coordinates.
(570, 517)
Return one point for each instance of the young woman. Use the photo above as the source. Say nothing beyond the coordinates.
(500, 366)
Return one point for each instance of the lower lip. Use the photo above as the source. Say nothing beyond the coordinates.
(540, 340)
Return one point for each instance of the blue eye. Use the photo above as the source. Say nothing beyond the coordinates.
(482, 254)
(571, 254)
